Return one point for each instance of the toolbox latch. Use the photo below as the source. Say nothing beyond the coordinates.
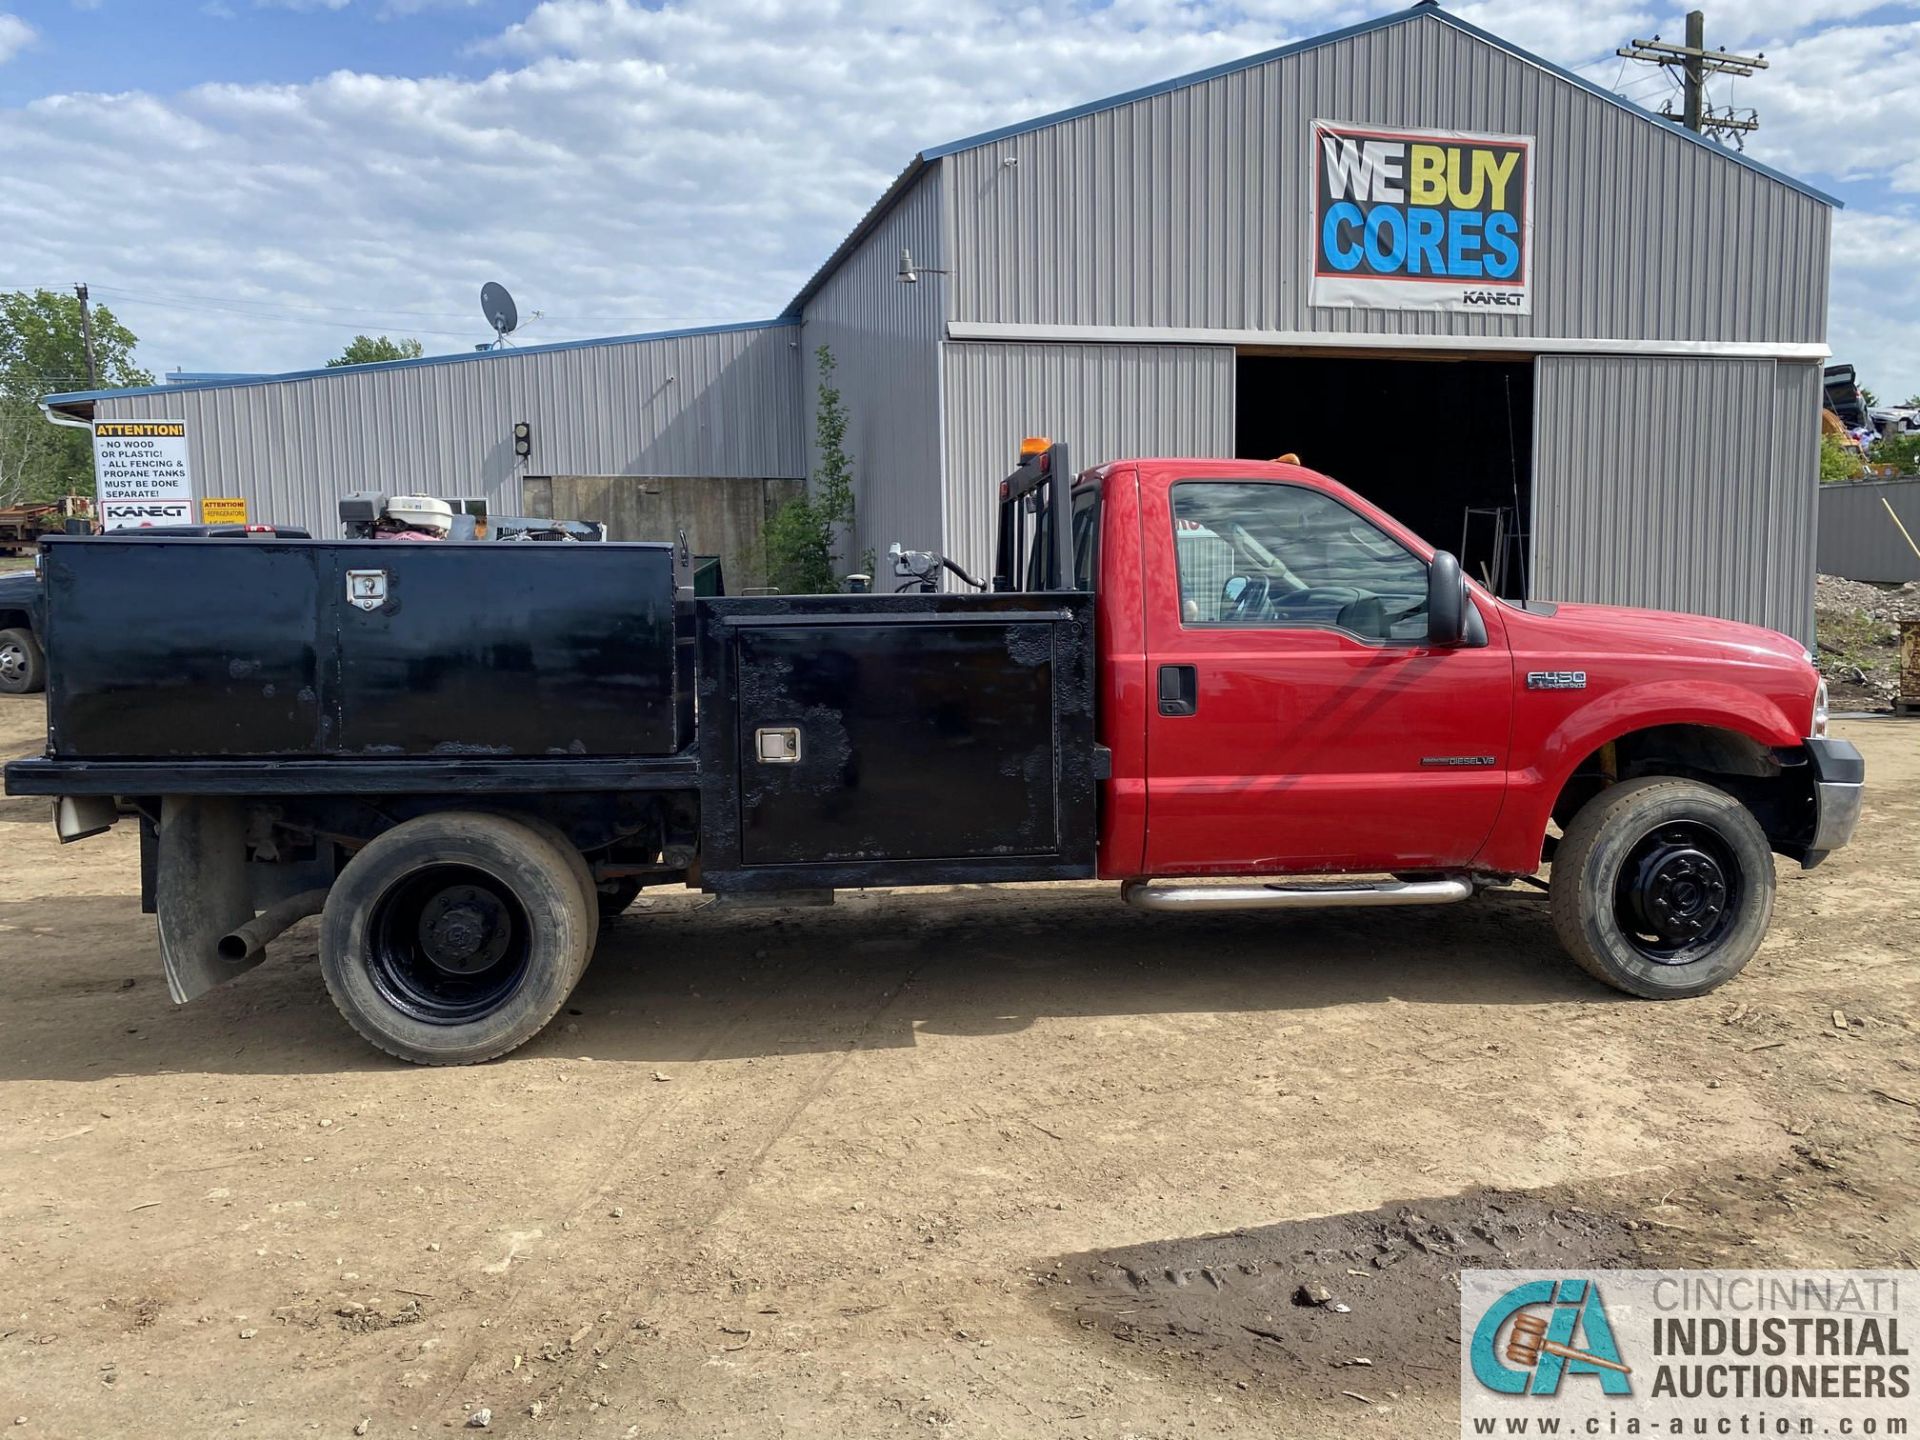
(777, 745)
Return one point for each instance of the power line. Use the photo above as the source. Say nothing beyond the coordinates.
(1697, 62)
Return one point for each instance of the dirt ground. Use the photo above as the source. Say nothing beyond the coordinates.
(966, 1163)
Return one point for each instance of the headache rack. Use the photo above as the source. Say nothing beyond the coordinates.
(1043, 463)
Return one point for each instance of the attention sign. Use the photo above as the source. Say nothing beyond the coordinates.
(142, 473)
(1421, 220)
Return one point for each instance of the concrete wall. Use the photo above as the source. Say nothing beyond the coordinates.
(1859, 541)
(723, 515)
(1678, 485)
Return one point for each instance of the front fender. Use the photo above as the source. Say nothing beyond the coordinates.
(1564, 741)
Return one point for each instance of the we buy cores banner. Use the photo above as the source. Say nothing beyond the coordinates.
(1421, 219)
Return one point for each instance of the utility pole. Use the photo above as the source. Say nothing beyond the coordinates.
(1696, 68)
(86, 331)
(1696, 63)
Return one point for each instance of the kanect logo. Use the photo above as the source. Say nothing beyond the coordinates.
(1519, 1351)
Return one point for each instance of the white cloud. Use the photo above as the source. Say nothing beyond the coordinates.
(630, 165)
(1876, 299)
(15, 35)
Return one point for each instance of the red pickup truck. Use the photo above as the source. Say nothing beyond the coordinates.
(1210, 676)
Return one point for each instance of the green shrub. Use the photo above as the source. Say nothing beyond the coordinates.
(803, 538)
(1838, 461)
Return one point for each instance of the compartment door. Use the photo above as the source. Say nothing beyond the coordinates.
(917, 738)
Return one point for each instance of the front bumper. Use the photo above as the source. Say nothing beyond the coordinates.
(1839, 775)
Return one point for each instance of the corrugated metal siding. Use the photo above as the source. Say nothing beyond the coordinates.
(1107, 401)
(716, 404)
(885, 341)
(1858, 541)
(1192, 208)
(1678, 485)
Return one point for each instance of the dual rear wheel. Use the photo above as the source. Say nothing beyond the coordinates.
(455, 937)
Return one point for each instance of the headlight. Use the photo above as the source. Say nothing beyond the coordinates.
(1820, 709)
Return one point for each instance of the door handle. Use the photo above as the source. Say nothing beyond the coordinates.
(1179, 690)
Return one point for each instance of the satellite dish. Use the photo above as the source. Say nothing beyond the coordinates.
(497, 305)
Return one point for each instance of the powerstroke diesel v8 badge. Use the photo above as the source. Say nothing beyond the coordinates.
(1420, 219)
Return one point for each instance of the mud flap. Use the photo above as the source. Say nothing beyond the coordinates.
(201, 892)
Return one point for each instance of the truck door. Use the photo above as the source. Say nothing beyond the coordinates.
(1299, 718)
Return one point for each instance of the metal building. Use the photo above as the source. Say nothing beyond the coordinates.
(1629, 416)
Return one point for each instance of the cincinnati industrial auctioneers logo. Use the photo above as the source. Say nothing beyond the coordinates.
(1688, 1352)
(1529, 1339)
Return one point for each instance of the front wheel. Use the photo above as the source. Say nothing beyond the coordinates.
(454, 938)
(1662, 887)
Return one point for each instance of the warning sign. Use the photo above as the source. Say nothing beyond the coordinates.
(227, 511)
(142, 473)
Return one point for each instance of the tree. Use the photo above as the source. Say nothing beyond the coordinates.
(43, 352)
(371, 349)
(803, 538)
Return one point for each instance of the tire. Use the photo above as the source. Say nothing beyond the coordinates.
(1662, 887)
(23, 666)
(454, 938)
(582, 871)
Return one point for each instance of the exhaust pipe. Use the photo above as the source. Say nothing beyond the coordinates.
(1142, 895)
(244, 942)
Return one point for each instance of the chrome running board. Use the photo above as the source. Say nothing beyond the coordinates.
(1142, 895)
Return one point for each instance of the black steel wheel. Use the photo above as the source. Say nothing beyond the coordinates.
(23, 669)
(448, 943)
(1662, 887)
(454, 938)
(1678, 892)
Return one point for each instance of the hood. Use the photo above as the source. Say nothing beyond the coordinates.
(1640, 667)
(1661, 632)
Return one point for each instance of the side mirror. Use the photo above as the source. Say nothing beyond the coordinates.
(1446, 600)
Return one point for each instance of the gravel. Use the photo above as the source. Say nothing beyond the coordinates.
(1859, 639)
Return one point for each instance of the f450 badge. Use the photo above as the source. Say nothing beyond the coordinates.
(1556, 680)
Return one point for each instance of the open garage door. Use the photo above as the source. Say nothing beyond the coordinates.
(1444, 446)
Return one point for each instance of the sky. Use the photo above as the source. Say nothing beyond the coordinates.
(250, 183)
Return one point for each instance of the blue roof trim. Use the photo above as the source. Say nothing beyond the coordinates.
(1181, 82)
(1365, 27)
(463, 358)
(876, 212)
(1299, 47)
(1600, 91)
